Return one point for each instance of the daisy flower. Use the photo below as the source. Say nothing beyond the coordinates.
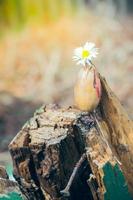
(83, 55)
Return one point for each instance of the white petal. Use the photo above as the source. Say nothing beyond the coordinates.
(79, 62)
(94, 50)
(75, 58)
(89, 45)
(78, 51)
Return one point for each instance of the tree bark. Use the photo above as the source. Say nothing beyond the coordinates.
(47, 148)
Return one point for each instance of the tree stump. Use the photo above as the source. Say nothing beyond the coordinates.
(47, 148)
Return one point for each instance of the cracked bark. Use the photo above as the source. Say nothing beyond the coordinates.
(47, 148)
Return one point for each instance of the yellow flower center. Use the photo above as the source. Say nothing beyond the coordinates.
(85, 54)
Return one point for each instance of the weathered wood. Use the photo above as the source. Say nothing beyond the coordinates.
(9, 190)
(3, 173)
(50, 144)
(120, 131)
(45, 152)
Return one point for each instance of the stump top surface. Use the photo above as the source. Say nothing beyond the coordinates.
(48, 123)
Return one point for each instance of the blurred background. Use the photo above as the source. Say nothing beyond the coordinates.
(37, 38)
